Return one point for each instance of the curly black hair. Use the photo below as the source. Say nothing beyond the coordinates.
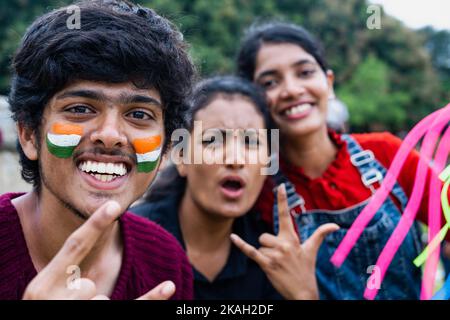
(117, 42)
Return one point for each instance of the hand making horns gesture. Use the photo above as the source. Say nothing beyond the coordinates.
(289, 264)
(51, 282)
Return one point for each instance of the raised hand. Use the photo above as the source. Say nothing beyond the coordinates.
(289, 264)
(52, 282)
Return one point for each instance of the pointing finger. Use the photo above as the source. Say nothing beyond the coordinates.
(287, 228)
(79, 243)
(163, 291)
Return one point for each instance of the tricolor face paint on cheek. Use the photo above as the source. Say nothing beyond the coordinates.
(63, 139)
(148, 151)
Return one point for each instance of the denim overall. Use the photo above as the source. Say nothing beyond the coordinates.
(402, 279)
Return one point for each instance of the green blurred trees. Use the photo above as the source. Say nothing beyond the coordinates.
(15, 16)
(369, 95)
(389, 78)
(438, 44)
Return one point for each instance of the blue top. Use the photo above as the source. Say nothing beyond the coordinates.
(241, 277)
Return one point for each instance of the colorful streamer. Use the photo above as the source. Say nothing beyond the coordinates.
(436, 121)
(431, 254)
(444, 293)
(409, 214)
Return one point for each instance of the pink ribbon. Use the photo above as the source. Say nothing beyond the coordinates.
(434, 215)
(436, 120)
(411, 209)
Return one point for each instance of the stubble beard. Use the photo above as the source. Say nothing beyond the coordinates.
(82, 214)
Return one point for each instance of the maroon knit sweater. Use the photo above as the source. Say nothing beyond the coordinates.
(150, 256)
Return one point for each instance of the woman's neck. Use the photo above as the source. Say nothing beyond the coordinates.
(313, 152)
(202, 230)
(206, 236)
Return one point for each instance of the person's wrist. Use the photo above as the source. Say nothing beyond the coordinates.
(306, 295)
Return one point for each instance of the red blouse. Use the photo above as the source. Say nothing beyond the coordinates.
(341, 186)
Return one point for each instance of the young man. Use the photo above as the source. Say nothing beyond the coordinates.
(95, 106)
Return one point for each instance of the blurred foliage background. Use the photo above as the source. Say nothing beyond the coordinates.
(389, 77)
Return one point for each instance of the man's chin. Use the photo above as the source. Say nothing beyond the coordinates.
(92, 204)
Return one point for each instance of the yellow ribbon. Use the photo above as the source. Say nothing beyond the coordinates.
(421, 258)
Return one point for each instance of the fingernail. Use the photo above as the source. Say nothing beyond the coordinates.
(168, 288)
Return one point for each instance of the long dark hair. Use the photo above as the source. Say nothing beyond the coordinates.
(275, 32)
(168, 180)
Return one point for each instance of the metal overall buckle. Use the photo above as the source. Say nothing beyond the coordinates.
(370, 177)
(361, 158)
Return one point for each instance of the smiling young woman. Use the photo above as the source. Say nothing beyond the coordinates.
(330, 177)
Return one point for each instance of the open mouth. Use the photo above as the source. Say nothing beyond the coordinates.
(232, 187)
(297, 111)
(104, 171)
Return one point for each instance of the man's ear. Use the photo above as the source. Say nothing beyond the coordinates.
(27, 140)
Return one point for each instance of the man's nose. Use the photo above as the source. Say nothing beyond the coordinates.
(109, 132)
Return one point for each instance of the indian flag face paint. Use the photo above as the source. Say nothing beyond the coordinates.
(148, 151)
(63, 139)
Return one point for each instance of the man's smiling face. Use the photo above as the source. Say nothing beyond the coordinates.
(103, 165)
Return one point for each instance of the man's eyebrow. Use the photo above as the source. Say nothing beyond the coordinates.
(99, 96)
(89, 94)
(137, 98)
(271, 72)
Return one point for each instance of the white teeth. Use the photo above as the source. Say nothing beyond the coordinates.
(298, 109)
(103, 177)
(87, 166)
(103, 169)
(120, 169)
(109, 168)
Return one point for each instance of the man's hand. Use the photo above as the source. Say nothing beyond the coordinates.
(52, 282)
(288, 264)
